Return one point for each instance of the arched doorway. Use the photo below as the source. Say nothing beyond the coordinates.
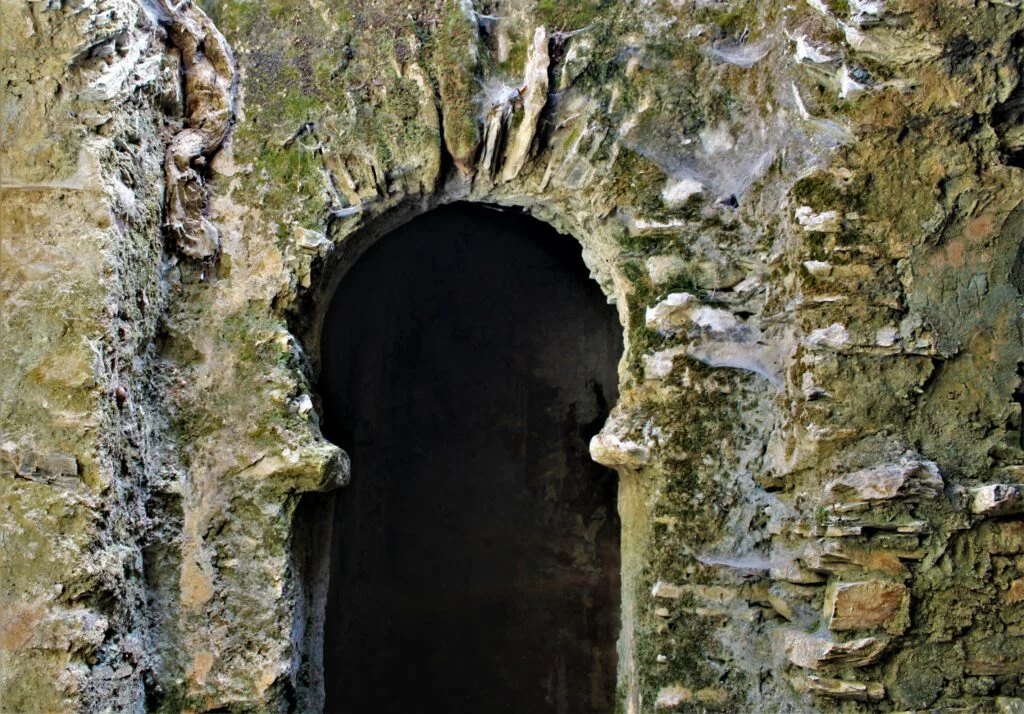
(466, 360)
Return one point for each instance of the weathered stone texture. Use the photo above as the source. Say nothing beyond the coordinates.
(807, 213)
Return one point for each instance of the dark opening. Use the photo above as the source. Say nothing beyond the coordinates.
(467, 358)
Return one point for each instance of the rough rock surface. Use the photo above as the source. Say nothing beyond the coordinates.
(835, 187)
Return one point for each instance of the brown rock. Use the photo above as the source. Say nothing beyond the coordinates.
(1016, 592)
(840, 689)
(867, 605)
(837, 557)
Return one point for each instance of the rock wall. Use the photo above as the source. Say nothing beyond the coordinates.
(808, 215)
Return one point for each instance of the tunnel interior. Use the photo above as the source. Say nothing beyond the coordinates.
(466, 360)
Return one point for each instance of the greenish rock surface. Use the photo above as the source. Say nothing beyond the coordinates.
(808, 215)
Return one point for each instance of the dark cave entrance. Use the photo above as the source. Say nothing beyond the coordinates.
(466, 360)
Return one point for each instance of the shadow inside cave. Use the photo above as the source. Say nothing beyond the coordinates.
(466, 360)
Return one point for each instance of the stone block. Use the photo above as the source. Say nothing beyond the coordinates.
(1015, 593)
(997, 499)
(867, 605)
(839, 688)
(708, 593)
(675, 695)
(58, 465)
(666, 591)
(814, 652)
(910, 480)
(786, 567)
(832, 556)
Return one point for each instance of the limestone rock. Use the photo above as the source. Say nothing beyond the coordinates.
(535, 96)
(835, 556)
(910, 480)
(662, 268)
(814, 652)
(675, 695)
(659, 365)
(867, 605)
(998, 499)
(682, 311)
(824, 222)
(840, 689)
(622, 443)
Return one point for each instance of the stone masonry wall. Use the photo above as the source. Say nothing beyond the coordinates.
(808, 214)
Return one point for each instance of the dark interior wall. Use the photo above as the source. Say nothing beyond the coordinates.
(467, 358)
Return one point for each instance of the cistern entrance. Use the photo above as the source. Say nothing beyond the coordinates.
(466, 360)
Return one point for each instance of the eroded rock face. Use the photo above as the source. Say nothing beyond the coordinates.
(808, 215)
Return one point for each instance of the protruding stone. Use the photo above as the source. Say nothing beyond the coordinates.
(58, 465)
(534, 95)
(310, 241)
(675, 695)
(610, 450)
(824, 222)
(834, 337)
(818, 268)
(813, 652)
(1010, 705)
(867, 605)
(1015, 593)
(910, 480)
(839, 688)
(997, 499)
(682, 311)
(678, 191)
(663, 268)
(785, 566)
(613, 446)
(666, 590)
(709, 593)
(672, 696)
(659, 365)
(832, 556)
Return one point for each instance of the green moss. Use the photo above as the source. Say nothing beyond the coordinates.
(819, 191)
(732, 18)
(455, 67)
(839, 8)
(637, 182)
(566, 16)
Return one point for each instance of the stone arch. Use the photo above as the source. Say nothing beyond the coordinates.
(315, 516)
